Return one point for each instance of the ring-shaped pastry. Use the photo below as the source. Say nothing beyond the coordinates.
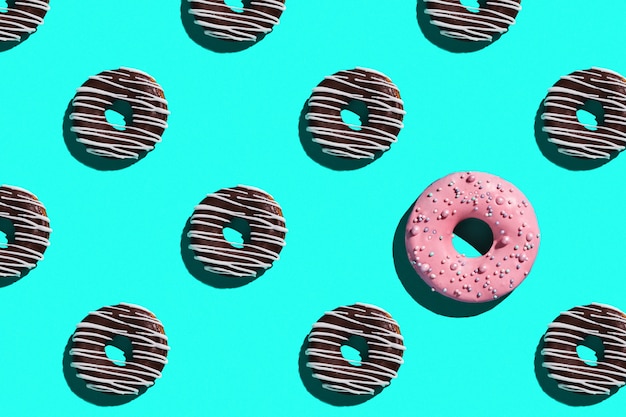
(134, 94)
(144, 362)
(600, 91)
(380, 104)
(455, 198)
(238, 24)
(253, 213)
(474, 24)
(28, 234)
(383, 351)
(21, 19)
(599, 325)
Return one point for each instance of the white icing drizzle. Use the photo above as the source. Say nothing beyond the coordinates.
(237, 24)
(472, 23)
(365, 378)
(373, 92)
(250, 204)
(594, 144)
(120, 380)
(149, 110)
(31, 228)
(596, 380)
(18, 21)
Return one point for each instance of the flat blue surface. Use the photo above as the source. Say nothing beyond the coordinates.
(234, 120)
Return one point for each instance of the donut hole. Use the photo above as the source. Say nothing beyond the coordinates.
(119, 350)
(590, 115)
(236, 6)
(237, 232)
(354, 350)
(591, 350)
(472, 5)
(355, 114)
(472, 237)
(7, 232)
(119, 114)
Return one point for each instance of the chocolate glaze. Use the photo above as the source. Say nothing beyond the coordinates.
(104, 91)
(31, 231)
(248, 24)
(573, 92)
(385, 111)
(483, 24)
(571, 329)
(21, 19)
(244, 206)
(384, 349)
(148, 349)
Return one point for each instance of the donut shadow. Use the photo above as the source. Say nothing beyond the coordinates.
(6, 45)
(317, 154)
(551, 388)
(79, 151)
(79, 387)
(196, 268)
(314, 385)
(434, 36)
(551, 151)
(6, 281)
(196, 34)
(421, 292)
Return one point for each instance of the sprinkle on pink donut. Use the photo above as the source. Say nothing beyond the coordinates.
(460, 196)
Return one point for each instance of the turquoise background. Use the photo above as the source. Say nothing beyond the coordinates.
(234, 120)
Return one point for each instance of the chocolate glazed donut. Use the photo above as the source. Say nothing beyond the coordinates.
(474, 24)
(148, 349)
(340, 91)
(30, 231)
(21, 19)
(575, 327)
(129, 91)
(241, 207)
(602, 88)
(236, 24)
(382, 360)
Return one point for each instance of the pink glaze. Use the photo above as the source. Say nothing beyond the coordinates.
(463, 195)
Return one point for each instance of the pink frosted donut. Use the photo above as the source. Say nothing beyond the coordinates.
(472, 195)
